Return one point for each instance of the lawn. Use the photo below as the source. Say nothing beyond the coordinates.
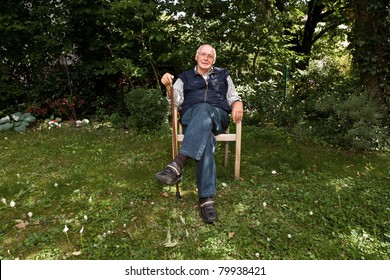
(90, 193)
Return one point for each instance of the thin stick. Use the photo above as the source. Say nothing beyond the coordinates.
(175, 149)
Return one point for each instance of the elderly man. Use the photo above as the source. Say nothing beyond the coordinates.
(205, 96)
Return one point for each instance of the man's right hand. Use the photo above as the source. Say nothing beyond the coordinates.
(167, 79)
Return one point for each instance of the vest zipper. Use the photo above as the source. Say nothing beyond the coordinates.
(207, 89)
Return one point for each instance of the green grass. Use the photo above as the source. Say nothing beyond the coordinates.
(295, 199)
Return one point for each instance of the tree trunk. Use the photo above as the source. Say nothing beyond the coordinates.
(303, 40)
(372, 51)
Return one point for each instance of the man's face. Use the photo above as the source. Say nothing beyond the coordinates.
(205, 58)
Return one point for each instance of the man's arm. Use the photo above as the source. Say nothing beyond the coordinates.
(234, 101)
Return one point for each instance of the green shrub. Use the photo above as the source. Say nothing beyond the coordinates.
(353, 122)
(18, 121)
(335, 108)
(147, 107)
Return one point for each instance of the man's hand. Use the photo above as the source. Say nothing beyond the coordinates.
(237, 111)
(167, 79)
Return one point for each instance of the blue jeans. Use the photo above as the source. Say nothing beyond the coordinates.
(200, 123)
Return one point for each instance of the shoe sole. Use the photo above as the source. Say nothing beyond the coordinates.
(168, 182)
(208, 221)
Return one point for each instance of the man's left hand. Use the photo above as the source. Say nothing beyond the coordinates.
(237, 111)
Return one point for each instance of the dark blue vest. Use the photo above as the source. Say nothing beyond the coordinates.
(197, 90)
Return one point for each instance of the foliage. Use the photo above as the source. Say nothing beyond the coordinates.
(52, 49)
(295, 200)
(263, 102)
(147, 107)
(18, 121)
(97, 50)
(67, 107)
(338, 110)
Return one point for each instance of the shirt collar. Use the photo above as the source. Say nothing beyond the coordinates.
(208, 72)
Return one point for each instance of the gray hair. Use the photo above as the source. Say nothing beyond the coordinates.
(215, 52)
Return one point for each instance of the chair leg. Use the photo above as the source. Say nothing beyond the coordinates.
(238, 152)
(225, 162)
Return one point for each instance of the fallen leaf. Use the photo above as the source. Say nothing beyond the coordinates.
(165, 194)
(134, 219)
(77, 253)
(169, 242)
(231, 234)
(22, 224)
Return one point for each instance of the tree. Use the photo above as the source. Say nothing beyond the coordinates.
(31, 41)
(371, 47)
(310, 23)
(102, 45)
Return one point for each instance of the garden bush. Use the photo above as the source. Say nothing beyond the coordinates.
(18, 121)
(336, 109)
(147, 107)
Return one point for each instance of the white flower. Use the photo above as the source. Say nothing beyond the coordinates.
(81, 230)
(4, 200)
(18, 175)
(289, 235)
(85, 217)
(257, 255)
(274, 172)
(90, 200)
(30, 214)
(65, 229)
(311, 213)
(85, 121)
(12, 204)
(264, 204)
(55, 185)
(268, 239)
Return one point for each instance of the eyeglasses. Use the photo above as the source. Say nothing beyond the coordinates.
(205, 55)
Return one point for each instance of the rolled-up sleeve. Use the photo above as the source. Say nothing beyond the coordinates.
(231, 95)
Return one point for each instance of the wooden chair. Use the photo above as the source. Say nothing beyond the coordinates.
(178, 136)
